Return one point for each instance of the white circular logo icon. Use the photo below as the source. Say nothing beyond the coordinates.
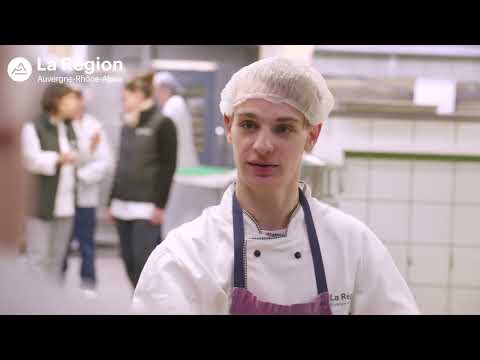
(19, 69)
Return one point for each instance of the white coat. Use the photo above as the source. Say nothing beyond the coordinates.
(176, 109)
(191, 271)
(90, 175)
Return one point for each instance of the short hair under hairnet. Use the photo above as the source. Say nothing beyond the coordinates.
(280, 80)
(167, 80)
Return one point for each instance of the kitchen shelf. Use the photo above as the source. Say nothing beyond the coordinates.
(426, 156)
(398, 113)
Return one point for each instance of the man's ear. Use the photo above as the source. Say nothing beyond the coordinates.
(227, 124)
(312, 137)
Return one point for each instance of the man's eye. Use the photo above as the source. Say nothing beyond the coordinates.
(248, 125)
(283, 129)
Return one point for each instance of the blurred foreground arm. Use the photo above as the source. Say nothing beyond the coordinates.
(12, 188)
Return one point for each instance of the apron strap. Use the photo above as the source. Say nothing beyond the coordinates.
(314, 246)
(239, 244)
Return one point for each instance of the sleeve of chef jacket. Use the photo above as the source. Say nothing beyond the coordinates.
(379, 285)
(168, 286)
(35, 159)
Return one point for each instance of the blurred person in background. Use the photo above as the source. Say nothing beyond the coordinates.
(145, 167)
(90, 133)
(51, 152)
(167, 93)
(25, 291)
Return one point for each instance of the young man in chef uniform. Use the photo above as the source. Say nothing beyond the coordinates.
(269, 247)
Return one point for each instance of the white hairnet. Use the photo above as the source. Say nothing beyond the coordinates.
(167, 80)
(280, 80)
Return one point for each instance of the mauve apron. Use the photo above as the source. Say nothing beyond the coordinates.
(245, 302)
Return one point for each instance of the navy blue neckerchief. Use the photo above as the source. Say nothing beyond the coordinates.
(239, 245)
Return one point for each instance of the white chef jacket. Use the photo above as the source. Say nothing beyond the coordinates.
(42, 162)
(91, 174)
(191, 271)
(176, 109)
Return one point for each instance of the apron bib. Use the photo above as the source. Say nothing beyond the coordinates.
(244, 302)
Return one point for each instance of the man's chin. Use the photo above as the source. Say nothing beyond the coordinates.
(265, 182)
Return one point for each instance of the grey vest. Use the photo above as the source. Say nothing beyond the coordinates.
(46, 186)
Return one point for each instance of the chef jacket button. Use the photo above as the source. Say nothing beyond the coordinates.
(298, 255)
(257, 253)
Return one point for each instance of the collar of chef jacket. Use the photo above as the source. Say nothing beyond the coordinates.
(251, 227)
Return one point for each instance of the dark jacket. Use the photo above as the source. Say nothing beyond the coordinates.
(46, 186)
(147, 160)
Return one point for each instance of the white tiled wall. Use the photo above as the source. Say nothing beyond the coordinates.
(355, 179)
(390, 221)
(466, 220)
(389, 180)
(466, 263)
(431, 300)
(427, 212)
(432, 181)
(430, 265)
(405, 135)
(466, 302)
(467, 183)
(430, 224)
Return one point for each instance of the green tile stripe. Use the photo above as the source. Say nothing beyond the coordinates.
(202, 170)
(415, 156)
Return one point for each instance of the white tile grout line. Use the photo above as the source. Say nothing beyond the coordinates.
(442, 287)
(451, 238)
(410, 212)
(409, 222)
(453, 196)
(432, 244)
(369, 175)
(369, 186)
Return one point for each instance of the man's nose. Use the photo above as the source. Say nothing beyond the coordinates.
(263, 143)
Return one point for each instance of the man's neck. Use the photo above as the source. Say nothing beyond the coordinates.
(270, 209)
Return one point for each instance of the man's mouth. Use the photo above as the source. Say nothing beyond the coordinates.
(262, 165)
